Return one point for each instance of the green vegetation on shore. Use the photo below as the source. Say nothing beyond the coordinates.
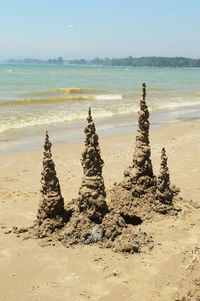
(152, 61)
(58, 61)
(140, 62)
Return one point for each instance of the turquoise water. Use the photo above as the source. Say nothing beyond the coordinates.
(35, 97)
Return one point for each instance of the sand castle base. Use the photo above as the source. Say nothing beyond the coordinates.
(114, 232)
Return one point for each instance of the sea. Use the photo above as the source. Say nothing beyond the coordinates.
(34, 98)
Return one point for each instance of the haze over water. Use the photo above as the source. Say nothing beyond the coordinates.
(35, 97)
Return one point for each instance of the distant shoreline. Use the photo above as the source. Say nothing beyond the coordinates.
(89, 65)
(130, 61)
(153, 61)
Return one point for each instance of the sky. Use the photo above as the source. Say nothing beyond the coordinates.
(105, 28)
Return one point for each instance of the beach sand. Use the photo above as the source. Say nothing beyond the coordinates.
(29, 270)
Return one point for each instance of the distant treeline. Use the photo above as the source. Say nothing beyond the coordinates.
(58, 61)
(152, 61)
(141, 62)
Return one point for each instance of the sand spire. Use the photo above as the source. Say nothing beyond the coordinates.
(92, 191)
(133, 197)
(51, 207)
(52, 202)
(141, 170)
(164, 194)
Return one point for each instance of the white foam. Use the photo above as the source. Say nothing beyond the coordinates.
(53, 119)
(108, 97)
(76, 111)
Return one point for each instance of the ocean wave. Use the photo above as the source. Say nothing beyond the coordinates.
(7, 70)
(45, 120)
(173, 103)
(63, 117)
(63, 91)
(32, 100)
(108, 97)
(75, 90)
(33, 122)
(49, 93)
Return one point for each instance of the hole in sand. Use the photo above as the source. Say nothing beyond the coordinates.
(68, 214)
(132, 219)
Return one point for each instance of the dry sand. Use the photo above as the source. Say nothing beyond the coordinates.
(29, 270)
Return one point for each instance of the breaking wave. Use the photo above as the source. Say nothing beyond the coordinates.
(74, 90)
(32, 100)
(49, 119)
(68, 116)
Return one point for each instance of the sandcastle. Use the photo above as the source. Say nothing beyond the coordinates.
(88, 219)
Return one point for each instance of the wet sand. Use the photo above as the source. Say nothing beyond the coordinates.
(32, 271)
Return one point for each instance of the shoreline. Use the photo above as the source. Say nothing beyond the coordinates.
(116, 125)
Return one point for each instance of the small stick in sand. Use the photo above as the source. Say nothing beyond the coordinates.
(195, 256)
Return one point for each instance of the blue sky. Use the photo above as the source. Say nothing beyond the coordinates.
(88, 28)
